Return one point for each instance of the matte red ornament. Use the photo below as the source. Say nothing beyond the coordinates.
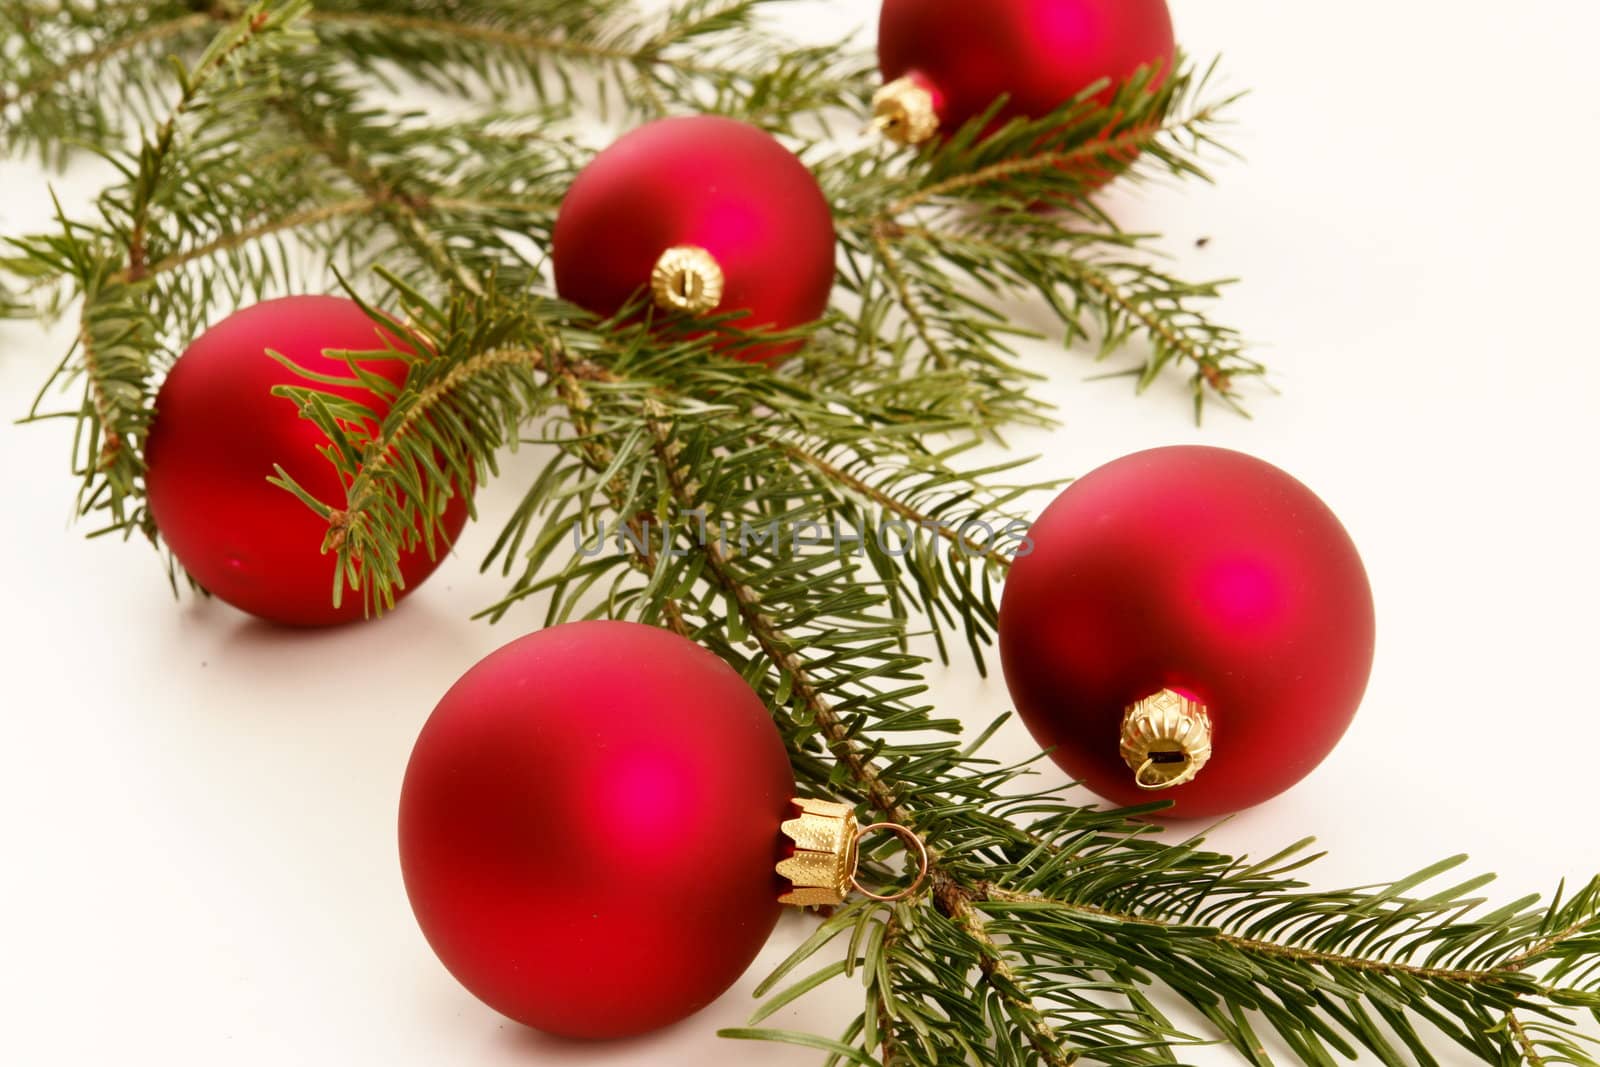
(1192, 624)
(217, 433)
(946, 62)
(589, 826)
(704, 215)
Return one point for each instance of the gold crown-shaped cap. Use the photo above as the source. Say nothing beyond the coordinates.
(687, 278)
(824, 861)
(1166, 739)
(905, 111)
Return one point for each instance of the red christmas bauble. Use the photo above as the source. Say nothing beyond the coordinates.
(589, 827)
(1192, 617)
(1039, 54)
(704, 215)
(217, 433)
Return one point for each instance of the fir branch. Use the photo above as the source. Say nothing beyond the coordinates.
(406, 210)
(118, 332)
(252, 234)
(652, 51)
(1090, 157)
(1256, 946)
(514, 39)
(1327, 953)
(918, 519)
(1160, 306)
(698, 47)
(1530, 1052)
(959, 337)
(957, 903)
(74, 72)
(783, 656)
(255, 22)
(601, 459)
(114, 337)
(1008, 245)
(464, 400)
(908, 300)
(150, 35)
(953, 900)
(378, 464)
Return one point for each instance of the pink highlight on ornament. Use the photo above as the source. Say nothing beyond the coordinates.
(1067, 28)
(1243, 594)
(649, 799)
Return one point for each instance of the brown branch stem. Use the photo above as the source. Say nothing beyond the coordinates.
(1255, 946)
(362, 486)
(228, 242)
(1539, 948)
(1128, 141)
(467, 31)
(152, 164)
(569, 386)
(111, 443)
(1530, 1051)
(890, 504)
(1207, 367)
(908, 302)
(405, 211)
(956, 902)
(516, 40)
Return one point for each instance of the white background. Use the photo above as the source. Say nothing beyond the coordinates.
(197, 811)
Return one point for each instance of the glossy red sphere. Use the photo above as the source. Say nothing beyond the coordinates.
(589, 826)
(1207, 572)
(707, 182)
(217, 433)
(1038, 53)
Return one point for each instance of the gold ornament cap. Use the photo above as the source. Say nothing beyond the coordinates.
(905, 112)
(1166, 740)
(687, 278)
(827, 853)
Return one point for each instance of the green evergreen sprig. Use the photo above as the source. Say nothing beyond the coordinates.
(932, 229)
(675, 481)
(107, 263)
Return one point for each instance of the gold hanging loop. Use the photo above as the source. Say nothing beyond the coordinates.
(918, 849)
(827, 855)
